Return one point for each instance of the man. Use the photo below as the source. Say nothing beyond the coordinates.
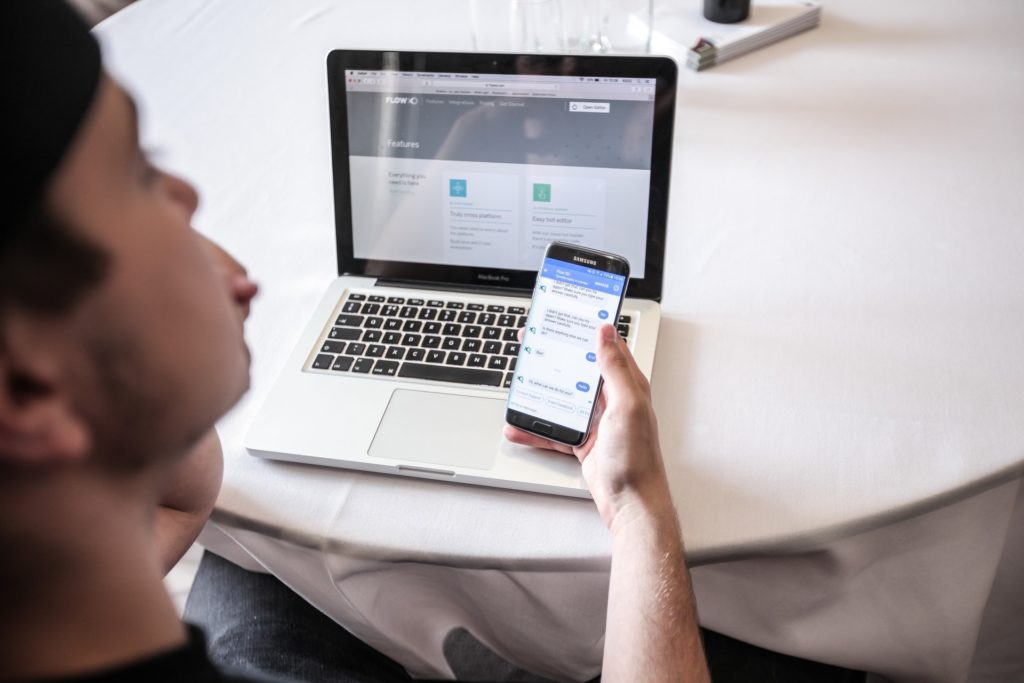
(120, 346)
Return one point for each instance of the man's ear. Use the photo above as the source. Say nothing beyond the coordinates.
(38, 423)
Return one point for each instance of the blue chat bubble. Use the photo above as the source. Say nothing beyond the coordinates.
(583, 386)
(603, 315)
(592, 356)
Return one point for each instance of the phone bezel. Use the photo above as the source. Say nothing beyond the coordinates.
(607, 262)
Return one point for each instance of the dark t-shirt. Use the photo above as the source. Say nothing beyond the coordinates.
(187, 663)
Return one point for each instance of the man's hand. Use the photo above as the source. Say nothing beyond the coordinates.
(651, 632)
(621, 460)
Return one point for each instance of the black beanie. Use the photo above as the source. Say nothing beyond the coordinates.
(49, 73)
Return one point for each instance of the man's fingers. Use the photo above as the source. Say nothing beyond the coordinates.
(615, 363)
(526, 439)
(638, 374)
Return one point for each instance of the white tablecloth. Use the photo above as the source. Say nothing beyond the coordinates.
(839, 380)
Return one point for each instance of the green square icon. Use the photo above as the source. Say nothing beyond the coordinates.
(542, 192)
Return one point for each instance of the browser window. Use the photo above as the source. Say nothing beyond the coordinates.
(485, 170)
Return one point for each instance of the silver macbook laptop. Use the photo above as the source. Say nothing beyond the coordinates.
(452, 173)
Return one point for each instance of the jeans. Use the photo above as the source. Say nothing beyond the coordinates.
(255, 624)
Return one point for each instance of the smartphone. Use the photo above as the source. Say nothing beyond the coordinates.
(556, 380)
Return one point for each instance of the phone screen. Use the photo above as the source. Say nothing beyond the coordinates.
(556, 378)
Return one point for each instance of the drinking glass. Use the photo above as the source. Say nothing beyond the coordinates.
(608, 25)
(517, 25)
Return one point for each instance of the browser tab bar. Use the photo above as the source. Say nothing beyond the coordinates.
(501, 85)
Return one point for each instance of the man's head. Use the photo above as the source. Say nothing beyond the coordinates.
(120, 340)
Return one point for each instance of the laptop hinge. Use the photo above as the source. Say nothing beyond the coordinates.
(448, 287)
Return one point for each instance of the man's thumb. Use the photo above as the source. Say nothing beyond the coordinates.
(612, 360)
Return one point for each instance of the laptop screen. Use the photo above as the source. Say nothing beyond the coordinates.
(485, 170)
(460, 168)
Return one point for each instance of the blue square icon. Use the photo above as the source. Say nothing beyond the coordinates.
(456, 187)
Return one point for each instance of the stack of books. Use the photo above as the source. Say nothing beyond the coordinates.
(707, 43)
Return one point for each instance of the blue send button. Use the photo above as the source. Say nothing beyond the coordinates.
(583, 386)
(592, 356)
(603, 315)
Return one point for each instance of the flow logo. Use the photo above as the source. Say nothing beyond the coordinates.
(391, 99)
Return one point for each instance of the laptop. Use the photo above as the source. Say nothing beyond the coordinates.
(452, 173)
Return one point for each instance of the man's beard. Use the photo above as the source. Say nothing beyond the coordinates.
(130, 416)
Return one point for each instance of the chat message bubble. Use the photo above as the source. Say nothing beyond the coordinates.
(573, 292)
(540, 384)
(568, 327)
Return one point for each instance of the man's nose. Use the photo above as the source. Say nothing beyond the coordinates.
(182, 192)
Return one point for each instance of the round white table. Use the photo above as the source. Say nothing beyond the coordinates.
(839, 380)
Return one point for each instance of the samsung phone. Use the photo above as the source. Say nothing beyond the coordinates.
(556, 380)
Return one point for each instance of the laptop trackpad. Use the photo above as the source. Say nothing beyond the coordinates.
(440, 429)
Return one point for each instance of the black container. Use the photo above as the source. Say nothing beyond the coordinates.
(726, 11)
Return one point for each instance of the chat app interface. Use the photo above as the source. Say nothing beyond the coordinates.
(556, 375)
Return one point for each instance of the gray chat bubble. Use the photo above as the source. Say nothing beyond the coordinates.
(577, 293)
(568, 327)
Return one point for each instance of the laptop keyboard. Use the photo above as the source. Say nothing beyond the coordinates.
(445, 340)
